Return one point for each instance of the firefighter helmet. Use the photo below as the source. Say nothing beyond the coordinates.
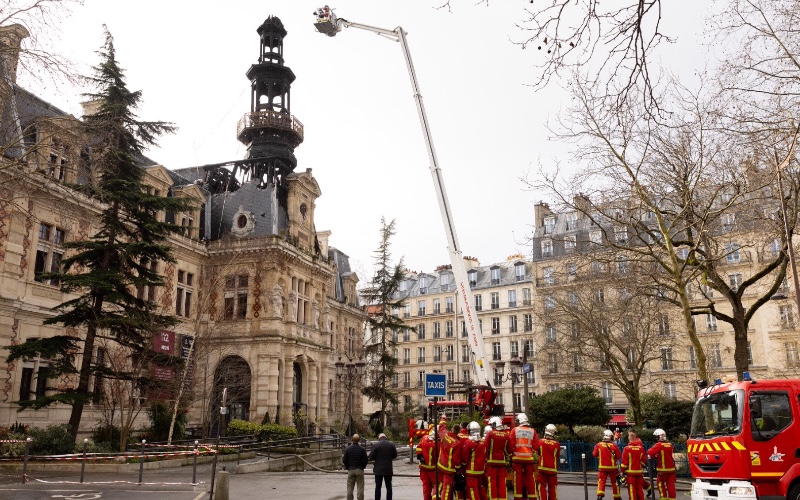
(607, 435)
(660, 434)
(550, 430)
(487, 429)
(496, 422)
(522, 419)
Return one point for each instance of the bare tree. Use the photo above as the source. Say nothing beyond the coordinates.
(673, 189)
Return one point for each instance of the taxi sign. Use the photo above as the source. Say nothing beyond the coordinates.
(435, 385)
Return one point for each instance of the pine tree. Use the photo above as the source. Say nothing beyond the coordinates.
(104, 272)
(382, 296)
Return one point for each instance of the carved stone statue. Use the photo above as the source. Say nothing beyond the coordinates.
(277, 301)
(315, 313)
(293, 305)
(326, 317)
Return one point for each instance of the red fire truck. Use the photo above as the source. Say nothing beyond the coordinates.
(745, 440)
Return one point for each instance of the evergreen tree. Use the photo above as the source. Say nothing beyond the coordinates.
(381, 295)
(103, 273)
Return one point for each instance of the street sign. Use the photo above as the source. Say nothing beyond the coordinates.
(526, 368)
(435, 385)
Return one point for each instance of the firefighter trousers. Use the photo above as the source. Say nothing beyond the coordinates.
(496, 482)
(428, 478)
(601, 483)
(666, 485)
(524, 478)
(635, 487)
(475, 489)
(445, 489)
(548, 485)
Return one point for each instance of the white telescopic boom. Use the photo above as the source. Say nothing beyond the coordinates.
(456, 258)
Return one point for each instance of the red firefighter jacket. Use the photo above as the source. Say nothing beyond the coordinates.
(633, 458)
(662, 452)
(496, 443)
(473, 456)
(549, 450)
(607, 455)
(522, 442)
(449, 453)
(425, 451)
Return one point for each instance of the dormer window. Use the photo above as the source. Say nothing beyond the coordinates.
(519, 271)
(403, 286)
(444, 281)
(423, 285)
(549, 225)
(472, 275)
(496, 275)
(572, 221)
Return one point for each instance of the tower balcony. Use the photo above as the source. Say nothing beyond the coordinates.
(251, 123)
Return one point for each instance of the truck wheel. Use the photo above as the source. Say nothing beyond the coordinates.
(794, 492)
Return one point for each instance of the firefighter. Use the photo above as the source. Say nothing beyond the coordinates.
(463, 437)
(496, 443)
(633, 461)
(549, 451)
(449, 460)
(427, 464)
(665, 465)
(522, 443)
(473, 456)
(607, 455)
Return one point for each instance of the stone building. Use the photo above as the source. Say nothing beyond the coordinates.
(266, 305)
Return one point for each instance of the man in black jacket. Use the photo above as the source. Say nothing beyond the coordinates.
(355, 461)
(383, 453)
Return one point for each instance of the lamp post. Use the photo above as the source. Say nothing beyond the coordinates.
(513, 375)
(350, 373)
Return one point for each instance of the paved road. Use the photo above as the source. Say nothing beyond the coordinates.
(159, 484)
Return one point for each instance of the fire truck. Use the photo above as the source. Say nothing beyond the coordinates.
(745, 440)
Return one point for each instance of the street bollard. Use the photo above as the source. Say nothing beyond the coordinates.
(83, 460)
(25, 463)
(585, 482)
(194, 465)
(141, 461)
(223, 485)
(651, 464)
(239, 455)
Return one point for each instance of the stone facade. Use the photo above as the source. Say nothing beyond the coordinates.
(269, 303)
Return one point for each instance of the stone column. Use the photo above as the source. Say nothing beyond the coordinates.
(313, 391)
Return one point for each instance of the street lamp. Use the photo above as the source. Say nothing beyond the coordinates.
(350, 373)
(515, 375)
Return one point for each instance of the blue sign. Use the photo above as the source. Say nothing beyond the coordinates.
(435, 385)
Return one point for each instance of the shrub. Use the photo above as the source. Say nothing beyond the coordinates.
(11, 450)
(265, 432)
(106, 434)
(589, 433)
(52, 440)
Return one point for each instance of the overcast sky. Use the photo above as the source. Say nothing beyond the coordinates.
(352, 93)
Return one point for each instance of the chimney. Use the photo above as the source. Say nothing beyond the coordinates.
(471, 262)
(540, 211)
(10, 43)
(90, 107)
(582, 204)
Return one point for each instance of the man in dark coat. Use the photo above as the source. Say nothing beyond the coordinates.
(383, 453)
(355, 461)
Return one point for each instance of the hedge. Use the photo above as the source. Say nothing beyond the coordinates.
(262, 432)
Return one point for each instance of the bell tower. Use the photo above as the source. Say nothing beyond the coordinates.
(269, 130)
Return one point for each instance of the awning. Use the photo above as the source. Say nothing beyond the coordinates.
(618, 420)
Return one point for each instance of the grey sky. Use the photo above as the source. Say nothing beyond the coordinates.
(352, 93)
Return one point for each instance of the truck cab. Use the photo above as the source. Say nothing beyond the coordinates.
(744, 441)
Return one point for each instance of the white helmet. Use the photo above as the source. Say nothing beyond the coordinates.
(432, 434)
(487, 429)
(496, 422)
(660, 434)
(474, 431)
(522, 419)
(607, 435)
(550, 430)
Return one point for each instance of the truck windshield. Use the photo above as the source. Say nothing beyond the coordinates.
(718, 414)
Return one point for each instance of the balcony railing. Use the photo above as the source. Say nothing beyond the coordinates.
(269, 118)
(513, 303)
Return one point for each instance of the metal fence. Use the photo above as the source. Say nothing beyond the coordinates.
(570, 460)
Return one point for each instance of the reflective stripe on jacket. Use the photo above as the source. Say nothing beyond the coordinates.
(633, 458)
(473, 456)
(426, 448)
(662, 452)
(522, 443)
(496, 442)
(449, 453)
(607, 455)
(549, 450)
